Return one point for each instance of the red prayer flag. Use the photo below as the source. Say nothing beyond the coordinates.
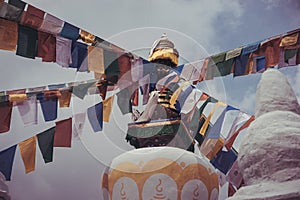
(5, 116)
(231, 140)
(63, 133)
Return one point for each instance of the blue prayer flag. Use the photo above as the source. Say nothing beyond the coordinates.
(6, 161)
(95, 116)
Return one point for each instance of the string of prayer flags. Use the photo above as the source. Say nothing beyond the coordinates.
(95, 116)
(63, 133)
(5, 116)
(8, 35)
(28, 152)
(45, 142)
(6, 161)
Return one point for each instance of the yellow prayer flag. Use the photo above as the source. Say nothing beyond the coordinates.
(206, 123)
(175, 95)
(95, 60)
(86, 36)
(64, 98)
(107, 107)
(210, 147)
(289, 40)
(17, 97)
(28, 151)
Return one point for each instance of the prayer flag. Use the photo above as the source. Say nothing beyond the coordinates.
(250, 48)
(6, 161)
(189, 103)
(289, 40)
(46, 47)
(10, 12)
(79, 56)
(27, 42)
(182, 97)
(95, 59)
(32, 17)
(95, 116)
(65, 98)
(111, 64)
(137, 69)
(63, 51)
(28, 151)
(123, 100)
(260, 63)
(45, 141)
(145, 88)
(28, 111)
(207, 121)
(56, 86)
(86, 36)
(69, 31)
(8, 35)
(124, 61)
(240, 65)
(230, 141)
(49, 108)
(107, 107)
(79, 120)
(224, 160)
(81, 89)
(5, 116)
(233, 53)
(63, 133)
(215, 131)
(234, 176)
(17, 3)
(51, 24)
(210, 147)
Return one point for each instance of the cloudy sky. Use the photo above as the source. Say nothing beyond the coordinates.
(198, 29)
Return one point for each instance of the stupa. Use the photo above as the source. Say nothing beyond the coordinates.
(160, 124)
(269, 156)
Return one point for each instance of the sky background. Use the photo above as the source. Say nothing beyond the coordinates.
(198, 29)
